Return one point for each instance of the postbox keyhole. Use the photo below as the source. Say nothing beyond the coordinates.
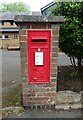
(34, 78)
(39, 49)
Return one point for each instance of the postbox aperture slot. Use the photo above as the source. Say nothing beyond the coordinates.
(39, 40)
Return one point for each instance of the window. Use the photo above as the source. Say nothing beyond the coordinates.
(0, 37)
(15, 36)
(6, 37)
(3, 37)
(11, 23)
(2, 23)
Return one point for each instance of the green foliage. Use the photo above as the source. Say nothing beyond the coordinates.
(14, 7)
(71, 33)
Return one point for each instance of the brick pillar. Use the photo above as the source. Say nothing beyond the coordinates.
(38, 94)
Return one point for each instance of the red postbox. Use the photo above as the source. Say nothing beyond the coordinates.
(39, 56)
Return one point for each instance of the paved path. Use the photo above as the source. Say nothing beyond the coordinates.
(11, 69)
(49, 113)
(63, 59)
(10, 65)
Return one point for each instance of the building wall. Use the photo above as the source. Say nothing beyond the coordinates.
(10, 41)
(7, 24)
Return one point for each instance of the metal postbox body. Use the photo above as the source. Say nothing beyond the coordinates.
(39, 56)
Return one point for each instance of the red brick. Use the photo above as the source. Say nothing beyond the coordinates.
(53, 93)
(55, 27)
(54, 75)
(55, 49)
(47, 89)
(40, 103)
(38, 26)
(28, 26)
(47, 94)
(55, 38)
(52, 84)
(49, 26)
(55, 32)
(54, 54)
(40, 98)
(25, 99)
(54, 60)
(22, 38)
(23, 32)
(53, 70)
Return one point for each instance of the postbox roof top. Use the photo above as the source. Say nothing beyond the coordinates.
(31, 18)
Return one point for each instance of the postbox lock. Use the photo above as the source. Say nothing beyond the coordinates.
(35, 78)
(39, 49)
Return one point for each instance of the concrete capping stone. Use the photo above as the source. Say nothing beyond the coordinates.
(29, 18)
(68, 97)
(76, 106)
(68, 106)
(63, 106)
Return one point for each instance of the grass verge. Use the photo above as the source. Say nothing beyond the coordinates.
(13, 97)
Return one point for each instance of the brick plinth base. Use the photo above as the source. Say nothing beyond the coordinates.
(37, 95)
